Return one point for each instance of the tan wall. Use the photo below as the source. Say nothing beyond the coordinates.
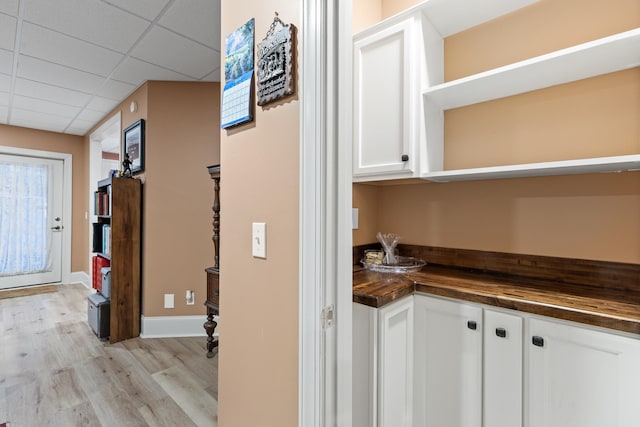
(182, 138)
(32, 139)
(183, 131)
(586, 216)
(366, 13)
(258, 366)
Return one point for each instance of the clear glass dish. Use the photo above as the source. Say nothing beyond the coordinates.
(404, 264)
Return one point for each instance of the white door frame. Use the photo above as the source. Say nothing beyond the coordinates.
(67, 193)
(95, 167)
(325, 215)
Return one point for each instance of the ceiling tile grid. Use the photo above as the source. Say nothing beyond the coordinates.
(64, 64)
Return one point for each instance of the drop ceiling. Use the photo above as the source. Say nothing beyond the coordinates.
(65, 64)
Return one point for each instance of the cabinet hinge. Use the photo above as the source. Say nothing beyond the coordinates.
(328, 316)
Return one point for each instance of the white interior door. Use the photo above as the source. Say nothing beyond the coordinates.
(31, 223)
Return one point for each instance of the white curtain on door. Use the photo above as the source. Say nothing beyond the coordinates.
(24, 235)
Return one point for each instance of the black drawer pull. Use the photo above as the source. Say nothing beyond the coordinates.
(405, 158)
(501, 332)
(471, 324)
(537, 341)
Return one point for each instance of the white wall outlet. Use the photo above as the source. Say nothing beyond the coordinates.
(168, 301)
(259, 240)
(191, 297)
(354, 218)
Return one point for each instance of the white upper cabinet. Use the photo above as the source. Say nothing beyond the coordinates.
(385, 65)
(400, 95)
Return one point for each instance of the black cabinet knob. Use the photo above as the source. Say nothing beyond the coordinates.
(501, 332)
(471, 324)
(405, 158)
(537, 341)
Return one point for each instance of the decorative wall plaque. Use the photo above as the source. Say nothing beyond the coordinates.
(274, 73)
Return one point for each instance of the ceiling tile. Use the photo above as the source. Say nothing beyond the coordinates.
(213, 76)
(91, 20)
(102, 104)
(167, 49)
(148, 9)
(4, 98)
(57, 75)
(7, 32)
(90, 115)
(42, 106)
(196, 19)
(80, 127)
(6, 61)
(9, 6)
(51, 93)
(61, 49)
(136, 72)
(115, 90)
(5, 83)
(38, 120)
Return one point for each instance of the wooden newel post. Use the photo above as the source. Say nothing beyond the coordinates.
(213, 273)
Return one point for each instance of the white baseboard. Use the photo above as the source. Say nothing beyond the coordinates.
(174, 326)
(80, 277)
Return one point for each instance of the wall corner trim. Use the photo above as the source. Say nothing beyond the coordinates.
(80, 277)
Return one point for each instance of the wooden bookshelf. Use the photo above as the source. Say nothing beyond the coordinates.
(124, 218)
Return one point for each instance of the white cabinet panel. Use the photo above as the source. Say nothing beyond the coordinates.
(502, 369)
(581, 378)
(395, 388)
(448, 368)
(383, 90)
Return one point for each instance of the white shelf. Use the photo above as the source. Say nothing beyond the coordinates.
(566, 167)
(602, 56)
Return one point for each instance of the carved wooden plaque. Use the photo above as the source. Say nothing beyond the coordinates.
(275, 66)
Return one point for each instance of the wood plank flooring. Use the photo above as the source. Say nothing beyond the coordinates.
(54, 371)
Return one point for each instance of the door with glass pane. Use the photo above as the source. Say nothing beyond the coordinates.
(30, 220)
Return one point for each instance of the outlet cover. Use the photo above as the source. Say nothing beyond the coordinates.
(168, 300)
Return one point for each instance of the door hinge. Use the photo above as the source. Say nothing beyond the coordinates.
(328, 316)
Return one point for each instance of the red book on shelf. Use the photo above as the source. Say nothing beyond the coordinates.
(96, 275)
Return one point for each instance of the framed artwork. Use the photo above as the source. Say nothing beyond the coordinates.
(134, 145)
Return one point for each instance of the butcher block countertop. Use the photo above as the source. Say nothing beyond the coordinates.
(591, 292)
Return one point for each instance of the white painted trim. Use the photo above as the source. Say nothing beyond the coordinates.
(325, 214)
(67, 203)
(174, 326)
(310, 367)
(80, 277)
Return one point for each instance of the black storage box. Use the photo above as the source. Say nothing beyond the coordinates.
(98, 313)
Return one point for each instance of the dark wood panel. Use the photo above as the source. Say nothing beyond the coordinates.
(126, 219)
(540, 285)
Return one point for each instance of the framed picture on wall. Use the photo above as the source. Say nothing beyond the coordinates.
(134, 145)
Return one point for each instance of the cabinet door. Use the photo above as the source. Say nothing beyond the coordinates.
(448, 369)
(502, 369)
(395, 369)
(364, 372)
(580, 377)
(383, 91)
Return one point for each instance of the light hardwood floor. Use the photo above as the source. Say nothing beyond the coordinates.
(55, 372)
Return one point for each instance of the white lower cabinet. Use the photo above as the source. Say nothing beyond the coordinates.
(383, 365)
(434, 362)
(448, 363)
(580, 377)
(502, 365)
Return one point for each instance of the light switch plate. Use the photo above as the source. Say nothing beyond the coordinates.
(354, 218)
(259, 240)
